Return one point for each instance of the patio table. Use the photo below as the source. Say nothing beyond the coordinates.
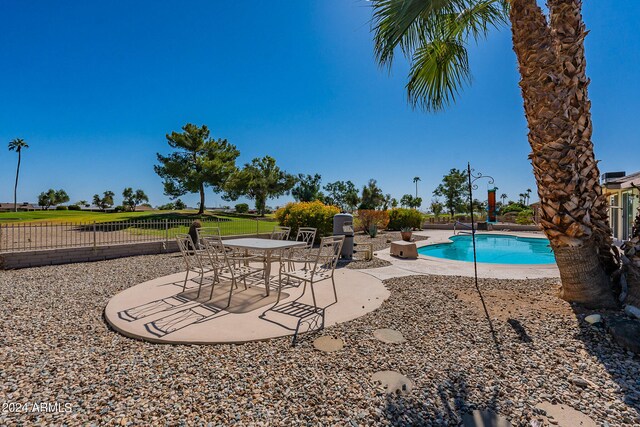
(265, 245)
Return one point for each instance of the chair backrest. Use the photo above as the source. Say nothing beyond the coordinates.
(307, 235)
(204, 232)
(192, 258)
(328, 254)
(280, 233)
(218, 256)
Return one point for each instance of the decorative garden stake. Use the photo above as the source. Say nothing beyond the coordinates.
(473, 178)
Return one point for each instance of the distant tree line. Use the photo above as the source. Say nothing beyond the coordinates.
(199, 161)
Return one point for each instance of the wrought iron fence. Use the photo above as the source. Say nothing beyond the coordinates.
(49, 235)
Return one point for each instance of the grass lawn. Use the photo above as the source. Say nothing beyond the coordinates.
(228, 224)
(54, 216)
(80, 216)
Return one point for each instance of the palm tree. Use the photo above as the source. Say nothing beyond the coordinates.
(17, 145)
(503, 197)
(415, 180)
(528, 195)
(434, 36)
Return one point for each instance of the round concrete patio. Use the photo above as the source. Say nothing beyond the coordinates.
(158, 311)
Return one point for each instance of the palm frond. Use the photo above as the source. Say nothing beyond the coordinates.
(395, 23)
(478, 18)
(433, 35)
(438, 72)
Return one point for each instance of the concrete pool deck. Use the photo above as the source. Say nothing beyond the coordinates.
(443, 267)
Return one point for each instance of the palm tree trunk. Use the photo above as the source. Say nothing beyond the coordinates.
(15, 188)
(201, 210)
(573, 210)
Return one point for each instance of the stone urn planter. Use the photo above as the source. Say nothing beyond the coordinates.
(406, 234)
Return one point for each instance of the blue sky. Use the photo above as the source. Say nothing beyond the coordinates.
(93, 87)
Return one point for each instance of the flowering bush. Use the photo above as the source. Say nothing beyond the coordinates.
(370, 221)
(308, 214)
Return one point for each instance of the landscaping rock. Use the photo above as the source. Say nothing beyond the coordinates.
(626, 332)
(593, 319)
(56, 347)
(484, 419)
(632, 311)
(393, 382)
(579, 381)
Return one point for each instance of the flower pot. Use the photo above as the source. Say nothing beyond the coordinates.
(406, 235)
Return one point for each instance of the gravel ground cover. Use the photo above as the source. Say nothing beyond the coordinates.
(56, 348)
(381, 242)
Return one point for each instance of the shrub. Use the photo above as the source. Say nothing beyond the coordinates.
(370, 221)
(307, 214)
(73, 207)
(513, 207)
(402, 218)
(179, 205)
(525, 217)
(119, 208)
(242, 208)
(61, 208)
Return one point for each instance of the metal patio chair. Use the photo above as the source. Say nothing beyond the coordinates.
(280, 233)
(196, 260)
(226, 267)
(303, 254)
(320, 268)
(207, 231)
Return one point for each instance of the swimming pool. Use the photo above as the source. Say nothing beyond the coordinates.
(493, 249)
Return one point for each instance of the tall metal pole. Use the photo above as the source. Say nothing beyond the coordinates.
(473, 178)
(473, 228)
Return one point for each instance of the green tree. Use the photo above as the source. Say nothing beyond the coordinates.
(411, 202)
(308, 188)
(387, 202)
(394, 202)
(549, 47)
(52, 197)
(406, 200)
(479, 206)
(104, 202)
(436, 207)
(17, 145)
(242, 208)
(197, 162)
(453, 189)
(372, 196)
(259, 180)
(342, 194)
(132, 199)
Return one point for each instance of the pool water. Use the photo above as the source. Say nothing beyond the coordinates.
(493, 249)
